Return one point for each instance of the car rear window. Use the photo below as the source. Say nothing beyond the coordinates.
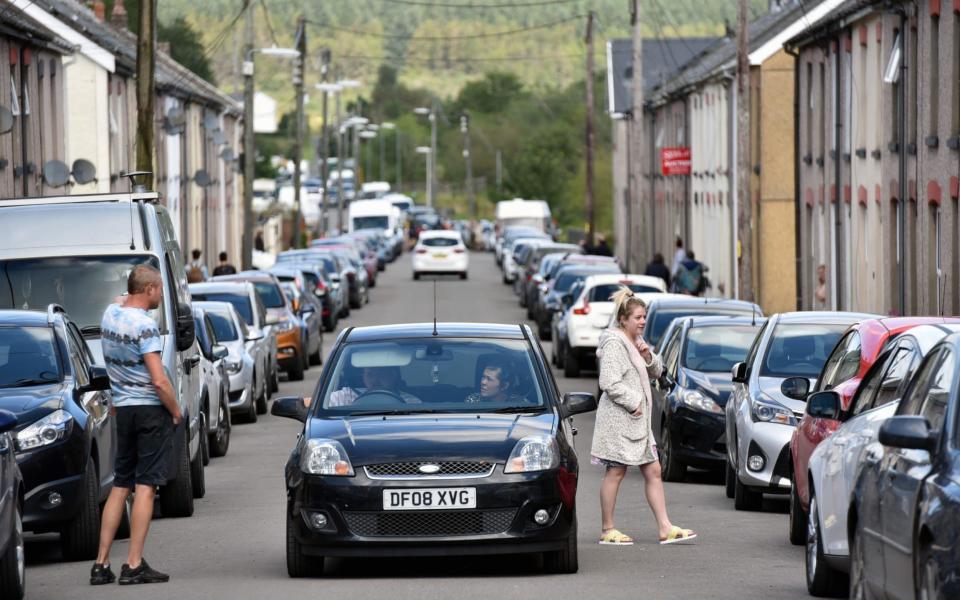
(602, 293)
(28, 357)
(223, 327)
(270, 293)
(800, 349)
(239, 302)
(716, 349)
(439, 242)
(661, 318)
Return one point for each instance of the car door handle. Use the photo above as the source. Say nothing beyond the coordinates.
(574, 430)
(193, 361)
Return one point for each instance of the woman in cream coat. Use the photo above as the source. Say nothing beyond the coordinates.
(622, 436)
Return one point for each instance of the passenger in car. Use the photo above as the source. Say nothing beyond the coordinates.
(497, 384)
(387, 379)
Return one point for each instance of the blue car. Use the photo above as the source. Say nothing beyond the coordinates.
(904, 539)
(425, 440)
(12, 563)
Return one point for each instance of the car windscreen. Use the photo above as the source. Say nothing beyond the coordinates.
(433, 375)
(603, 292)
(223, 328)
(800, 349)
(371, 222)
(83, 285)
(566, 281)
(439, 242)
(662, 317)
(28, 357)
(716, 349)
(270, 294)
(241, 302)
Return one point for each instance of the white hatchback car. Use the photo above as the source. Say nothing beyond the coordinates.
(440, 252)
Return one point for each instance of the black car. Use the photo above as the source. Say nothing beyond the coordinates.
(662, 311)
(688, 398)
(12, 563)
(530, 276)
(424, 441)
(65, 442)
(904, 540)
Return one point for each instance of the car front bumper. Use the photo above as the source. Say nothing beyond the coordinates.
(53, 477)
(772, 442)
(449, 265)
(289, 348)
(501, 523)
(699, 438)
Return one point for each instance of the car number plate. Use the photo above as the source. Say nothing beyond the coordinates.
(430, 499)
(440, 255)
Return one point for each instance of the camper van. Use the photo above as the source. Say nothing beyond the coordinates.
(534, 214)
(373, 214)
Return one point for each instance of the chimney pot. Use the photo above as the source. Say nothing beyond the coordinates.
(99, 9)
(119, 15)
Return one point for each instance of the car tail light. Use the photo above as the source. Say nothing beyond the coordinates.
(421, 250)
(583, 310)
(351, 276)
(458, 250)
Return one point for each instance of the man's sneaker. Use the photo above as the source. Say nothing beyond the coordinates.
(142, 574)
(101, 574)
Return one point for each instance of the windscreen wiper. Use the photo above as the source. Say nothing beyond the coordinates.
(509, 410)
(29, 381)
(377, 413)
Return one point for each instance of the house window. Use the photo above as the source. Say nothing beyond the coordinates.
(847, 106)
(810, 108)
(934, 70)
(892, 76)
(823, 102)
(914, 104)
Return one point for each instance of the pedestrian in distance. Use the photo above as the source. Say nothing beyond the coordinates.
(602, 249)
(622, 435)
(657, 268)
(224, 268)
(196, 270)
(147, 415)
(691, 277)
(679, 255)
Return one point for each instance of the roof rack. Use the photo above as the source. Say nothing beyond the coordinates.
(52, 311)
(121, 197)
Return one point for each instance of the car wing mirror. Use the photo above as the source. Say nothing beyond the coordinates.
(272, 320)
(796, 388)
(291, 407)
(576, 403)
(186, 328)
(824, 405)
(219, 352)
(666, 381)
(740, 372)
(99, 381)
(908, 432)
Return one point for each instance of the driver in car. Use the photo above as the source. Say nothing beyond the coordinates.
(385, 379)
(496, 385)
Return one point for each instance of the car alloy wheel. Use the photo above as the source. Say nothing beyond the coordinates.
(13, 561)
(670, 466)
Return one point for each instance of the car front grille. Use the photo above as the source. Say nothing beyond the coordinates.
(443, 470)
(430, 523)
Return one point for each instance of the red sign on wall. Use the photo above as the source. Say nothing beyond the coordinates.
(675, 161)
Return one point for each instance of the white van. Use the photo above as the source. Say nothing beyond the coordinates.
(374, 190)
(373, 214)
(523, 213)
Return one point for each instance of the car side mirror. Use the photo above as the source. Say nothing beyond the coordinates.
(740, 372)
(824, 405)
(576, 403)
(908, 432)
(220, 352)
(272, 320)
(186, 331)
(291, 407)
(99, 381)
(796, 388)
(666, 381)
(254, 335)
(8, 421)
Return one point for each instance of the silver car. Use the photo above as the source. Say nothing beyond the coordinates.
(214, 387)
(835, 463)
(760, 417)
(260, 340)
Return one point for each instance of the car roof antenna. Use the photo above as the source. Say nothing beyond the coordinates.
(753, 312)
(435, 332)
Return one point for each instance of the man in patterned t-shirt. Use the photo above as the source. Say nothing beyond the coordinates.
(146, 415)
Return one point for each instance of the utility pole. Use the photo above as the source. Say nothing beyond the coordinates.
(324, 144)
(399, 163)
(499, 172)
(471, 199)
(635, 169)
(383, 155)
(340, 151)
(744, 197)
(590, 199)
(298, 76)
(249, 152)
(146, 67)
(431, 196)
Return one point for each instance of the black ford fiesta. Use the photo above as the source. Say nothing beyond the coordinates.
(421, 442)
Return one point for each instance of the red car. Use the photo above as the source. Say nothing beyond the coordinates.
(853, 355)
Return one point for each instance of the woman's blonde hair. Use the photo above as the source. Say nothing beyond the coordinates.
(624, 301)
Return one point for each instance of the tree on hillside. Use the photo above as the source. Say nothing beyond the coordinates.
(491, 94)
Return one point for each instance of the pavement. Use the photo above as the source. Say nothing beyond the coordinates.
(233, 546)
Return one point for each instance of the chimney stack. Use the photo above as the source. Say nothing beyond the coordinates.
(99, 9)
(119, 15)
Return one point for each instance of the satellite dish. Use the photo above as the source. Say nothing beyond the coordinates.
(227, 154)
(56, 173)
(211, 123)
(6, 120)
(201, 178)
(174, 120)
(84, 171)
(218, 138)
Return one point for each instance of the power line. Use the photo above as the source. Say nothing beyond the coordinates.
(463, 59)
(266, 14)
(482, 5)
(214, 46)
(440, 38)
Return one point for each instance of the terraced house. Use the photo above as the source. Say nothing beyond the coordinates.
(878, 166)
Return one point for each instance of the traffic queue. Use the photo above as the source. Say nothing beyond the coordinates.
(855, 417)
(225, 343)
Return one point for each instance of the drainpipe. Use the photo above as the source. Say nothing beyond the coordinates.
(902, 157)
(838, 144)
(797, 212)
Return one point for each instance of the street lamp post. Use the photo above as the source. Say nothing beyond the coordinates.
(249, 152)
(429, 154)
(340, 85)
(367, 134)
(431, 115)
(383, 161)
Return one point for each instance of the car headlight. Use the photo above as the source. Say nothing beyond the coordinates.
(234, 366)
(698, 401)
(325, 457)
(767, 410)
(286, 325)
(48, 430)
(533, 453)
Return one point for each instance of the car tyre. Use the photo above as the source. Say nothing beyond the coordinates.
(176, 497)
(204, 439)
(564, 560)
(220, 439)
(730, 480)
(798, 517)
(299, 564)
(13, 562)
(80, 537)
(744, 498)
(259, 405)
(295, 373)
(317, 357)
(571, 365)
(672, 468)
(822, 581)
(463, 275)
(198, 481)
(544, 331)
(273, 382)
